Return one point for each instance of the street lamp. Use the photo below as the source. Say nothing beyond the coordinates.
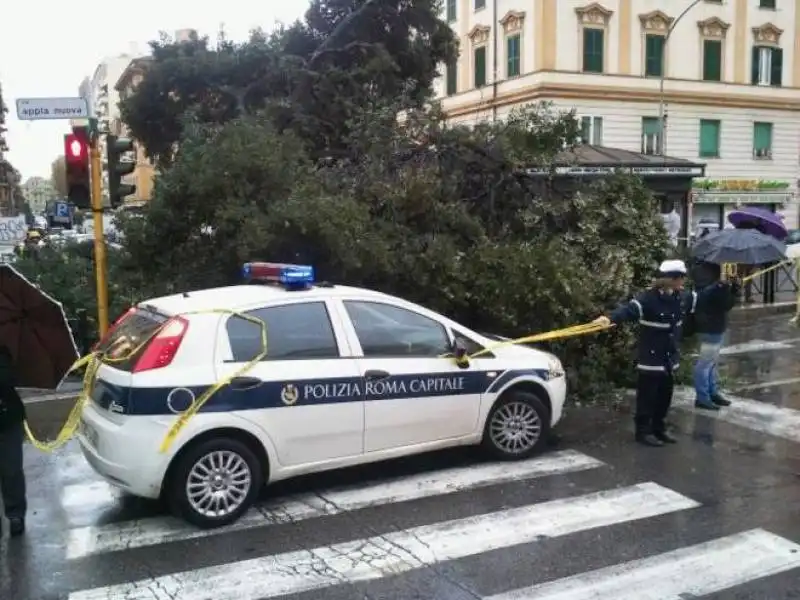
(662, 115)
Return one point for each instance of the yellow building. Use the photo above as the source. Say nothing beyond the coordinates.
(726, 76)
(144, 174)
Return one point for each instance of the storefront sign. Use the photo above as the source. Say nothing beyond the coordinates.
(648, 171)
(741, 197)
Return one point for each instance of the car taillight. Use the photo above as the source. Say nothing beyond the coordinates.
(114, 327)
(162, 349)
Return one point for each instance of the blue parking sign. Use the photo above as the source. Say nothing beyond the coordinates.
(62, 210)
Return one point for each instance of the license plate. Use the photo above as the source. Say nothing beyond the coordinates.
(89, 433)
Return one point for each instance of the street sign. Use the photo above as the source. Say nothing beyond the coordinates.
(39, 109)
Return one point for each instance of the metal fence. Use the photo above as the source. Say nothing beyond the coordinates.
(781, 284)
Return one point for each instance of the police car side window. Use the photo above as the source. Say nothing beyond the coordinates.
(385, 330)
(294, 331)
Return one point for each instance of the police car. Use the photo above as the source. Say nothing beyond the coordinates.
(351, 376)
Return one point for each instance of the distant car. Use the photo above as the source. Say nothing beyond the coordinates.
(351, 376)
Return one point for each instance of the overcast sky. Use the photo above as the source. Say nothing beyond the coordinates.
(48, 47)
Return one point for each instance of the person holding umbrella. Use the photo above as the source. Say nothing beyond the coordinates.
(660, 312)
(715, 299)
(12, 435)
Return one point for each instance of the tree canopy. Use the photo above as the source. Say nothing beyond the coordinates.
(312, 76)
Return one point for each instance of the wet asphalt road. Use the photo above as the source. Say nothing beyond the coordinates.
(608, 503)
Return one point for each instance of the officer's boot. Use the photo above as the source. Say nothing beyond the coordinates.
(644, 435)
(16, 526)
(665, 437)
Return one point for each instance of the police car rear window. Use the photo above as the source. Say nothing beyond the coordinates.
(294, 331)
(129, 335)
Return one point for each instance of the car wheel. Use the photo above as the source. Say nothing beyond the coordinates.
(215, 482)
(518, 426)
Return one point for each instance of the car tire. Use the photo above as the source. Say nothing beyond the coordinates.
(206, 454)
(514, 409)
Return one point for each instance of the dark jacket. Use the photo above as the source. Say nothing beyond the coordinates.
(12, 410)
(715, 299)
(660, 317)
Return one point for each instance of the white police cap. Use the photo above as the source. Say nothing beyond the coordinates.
(672, 268)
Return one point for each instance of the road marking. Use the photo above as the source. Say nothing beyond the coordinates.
(87, 541)
(92, 495)
(758, 346)
(401, 551)
(685, 573)
(768, 384)
(758, 416)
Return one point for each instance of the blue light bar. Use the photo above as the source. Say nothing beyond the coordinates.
(288, 275)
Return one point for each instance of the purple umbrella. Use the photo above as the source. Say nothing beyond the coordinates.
(759, 218)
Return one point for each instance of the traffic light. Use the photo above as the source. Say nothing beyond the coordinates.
(76, 159)
(118, 168)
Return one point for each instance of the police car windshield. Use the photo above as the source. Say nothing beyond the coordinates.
(129, 335)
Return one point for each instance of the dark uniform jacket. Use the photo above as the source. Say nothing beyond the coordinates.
(660, 317)
(12, 410)
(715, 299)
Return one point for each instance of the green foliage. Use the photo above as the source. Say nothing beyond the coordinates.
(312, 76)
(67, 274)
(444, 216)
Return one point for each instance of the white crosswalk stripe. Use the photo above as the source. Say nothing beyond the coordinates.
(375, 555)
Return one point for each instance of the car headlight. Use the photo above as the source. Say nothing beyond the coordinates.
(554, 368)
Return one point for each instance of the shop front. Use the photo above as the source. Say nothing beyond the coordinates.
(712, 200)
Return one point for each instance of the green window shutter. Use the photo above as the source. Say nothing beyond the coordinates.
(513, 56)
(762, 137)
(586, 130)
(651, 126)
(776, 76)
(452, 77)
(709, 138)
(479, 4)
(712, 60)
(451, 11)
(593, 49)
(653, 55)
(754, 68)
(479, 65)
(767, 4)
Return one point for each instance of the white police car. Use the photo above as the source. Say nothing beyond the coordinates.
(351, 376)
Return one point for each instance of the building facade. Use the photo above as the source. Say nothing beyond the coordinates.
(724, 75)
(38, 192)
(144, 173)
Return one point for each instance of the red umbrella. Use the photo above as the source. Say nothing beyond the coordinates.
(35, 330)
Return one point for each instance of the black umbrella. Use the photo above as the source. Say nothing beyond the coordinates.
(35, 330)
(739, 246)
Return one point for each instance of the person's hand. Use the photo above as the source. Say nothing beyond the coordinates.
(603, 321)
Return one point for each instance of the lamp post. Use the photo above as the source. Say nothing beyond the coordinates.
(662, 114)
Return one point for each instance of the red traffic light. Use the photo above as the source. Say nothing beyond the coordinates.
(76, 149)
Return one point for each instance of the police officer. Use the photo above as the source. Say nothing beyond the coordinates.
(659, 311)
(12, 477)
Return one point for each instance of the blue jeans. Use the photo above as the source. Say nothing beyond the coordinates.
(705, 369)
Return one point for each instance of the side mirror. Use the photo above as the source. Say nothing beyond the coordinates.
(460, 354)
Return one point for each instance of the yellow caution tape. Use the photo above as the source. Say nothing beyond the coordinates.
(784, 263)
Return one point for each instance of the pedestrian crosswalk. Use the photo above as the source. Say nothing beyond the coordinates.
(562, 507)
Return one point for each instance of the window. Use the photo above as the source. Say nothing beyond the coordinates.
(767, 65)
(651, 135)
(385, 330)
(512, 55)
(479, 66)
(709, 138)
(653, 55)
(471, 346)
(712, 60)
(592, 130)
(593, 50)
(762, 140)
(479, 4)
(293, 331)
(451, 76)
(451, 11)
(767, 4)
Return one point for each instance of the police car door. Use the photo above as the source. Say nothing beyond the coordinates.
(304, 395)
(413, 394)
